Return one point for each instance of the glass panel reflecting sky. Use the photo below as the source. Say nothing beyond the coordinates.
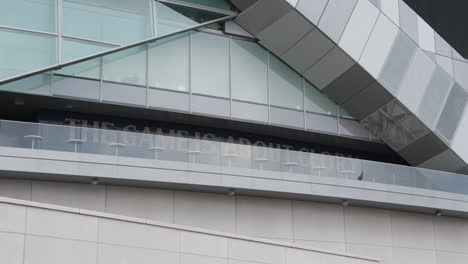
(249, 72)
(169, 63)
(38, 15)
(21, 52)
(210, 64)
(220, 4)
(285, 85)
(171, 18)
(118, 22)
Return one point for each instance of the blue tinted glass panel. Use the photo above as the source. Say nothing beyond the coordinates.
(118, 22)
(38, 15)
(249, 77)
(22, 52)
(220, 4)
(171, 18)
(285, 85)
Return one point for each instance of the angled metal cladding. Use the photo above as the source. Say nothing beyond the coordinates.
(379, 60)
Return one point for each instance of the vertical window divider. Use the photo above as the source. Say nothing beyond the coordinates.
(147, 74)
(230, 79)
(303, 103)
(51, 88)
(153, 12)
(268, 85)
(101, 76)
(190, 72)
(59, 31)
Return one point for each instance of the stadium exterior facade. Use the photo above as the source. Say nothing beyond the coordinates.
(234, 132)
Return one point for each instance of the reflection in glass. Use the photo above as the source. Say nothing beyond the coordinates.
(88, 69)
(21, 52)
(220, 4)
(75, 49)
(118, 22)
(210, 64)
(168, 62)
(317, 102)
(285, 85)
(171, 17)
(40, 15)
(249, 72)
(37, 84)
(127, 66)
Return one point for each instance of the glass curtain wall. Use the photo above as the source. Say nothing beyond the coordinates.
(42, 33)
(213, 65)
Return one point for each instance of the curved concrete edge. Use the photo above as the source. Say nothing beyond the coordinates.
(84, 212)
(79, 167)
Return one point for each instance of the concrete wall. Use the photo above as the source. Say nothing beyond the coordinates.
(36, 233)
(394, 237)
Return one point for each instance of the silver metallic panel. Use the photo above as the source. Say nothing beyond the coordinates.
(210, 106)
(335, 17)
(248, 111)
(122, 93)
(286, 117)
(163, 99)
(262, 14)
(348, 84)
(283, 33)
(76, 87)
(368, 101)
(301, 56)
(322, 123)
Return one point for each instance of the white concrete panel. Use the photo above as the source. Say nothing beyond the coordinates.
(390, 8)
(84, 196)
(384, 253)
(262, 217)
(460, 72)
(408, 21)
(298, 256)
(416, 80)
(205, 210)
(197, 259)
(12, 218)
(143, 203)
(318, 221)
(412, 230)
(46, 250)
(444, 257)
(17, 189)
(202, 244)
(11, 248)
(335, 17)
(368, 226)
(109, 254)
(442, 47)
(329, 67)
(63, 225)
(407, 255)
(446, 63)
(307, 51)
(426, 36)
(138, 235)
(359, 28)
(284, 32)
(378, 46)
(451, 234)
(312, 10)
(256, 252)
(460, 141)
